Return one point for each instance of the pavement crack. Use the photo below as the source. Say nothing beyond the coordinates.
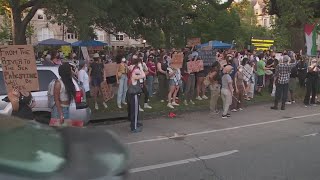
(196, 154)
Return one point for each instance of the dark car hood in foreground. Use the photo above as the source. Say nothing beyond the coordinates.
(34, 151)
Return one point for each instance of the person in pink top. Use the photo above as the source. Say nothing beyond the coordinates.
(151, 73)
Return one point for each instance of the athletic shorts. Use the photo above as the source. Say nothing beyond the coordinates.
(260, 81)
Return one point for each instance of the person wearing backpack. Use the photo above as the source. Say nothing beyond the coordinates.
(134, 91)
(63, 92)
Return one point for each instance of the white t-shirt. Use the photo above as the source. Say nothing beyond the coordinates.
(84, 79)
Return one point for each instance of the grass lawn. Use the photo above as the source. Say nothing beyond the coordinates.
(161, 109)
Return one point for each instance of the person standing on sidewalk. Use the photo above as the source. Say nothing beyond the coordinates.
(282, 77)
(143, 67)
(240, 90)
(134, 91)
(151, 73)
(96, 78)
(162, 67)
(312, 79)
(122, 80)
(190, 84)
(302, 70)
(227, 90)
(215, 87)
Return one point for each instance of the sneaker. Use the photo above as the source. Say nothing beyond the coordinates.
(205, 97)
(96, 106)
(147, 106)
(175, 104)
(119, 106)
(139, 124)
(140, 109)
(192, 102)
(170, 106)
(274, 108)
(228, 115)
(185, 103)
(162, 101)
(240, 109)
(234, 110)
(105, 105)
(293, 101)
(136, 130)
(124, 103)
(199, 98)
(224, 116)
(288, 103)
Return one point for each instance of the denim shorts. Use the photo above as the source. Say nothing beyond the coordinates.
(173, 83)
(55, 114)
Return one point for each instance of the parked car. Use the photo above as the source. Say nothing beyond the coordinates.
(79, 109)
(31, 151)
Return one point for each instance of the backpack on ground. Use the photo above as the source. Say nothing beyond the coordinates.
(50, 94)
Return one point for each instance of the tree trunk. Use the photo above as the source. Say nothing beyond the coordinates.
(19, 30)
(297, 39)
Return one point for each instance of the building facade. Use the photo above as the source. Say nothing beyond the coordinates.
(44, 29)
(260, 11)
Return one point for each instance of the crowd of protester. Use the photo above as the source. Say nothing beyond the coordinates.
(235, 77)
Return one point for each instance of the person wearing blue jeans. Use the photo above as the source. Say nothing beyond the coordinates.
(150, 80)
(151, 73)
(122, 91)
(122, 80)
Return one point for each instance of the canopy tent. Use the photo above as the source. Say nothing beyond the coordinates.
(53, 42)
(217, 45)
(90, 43)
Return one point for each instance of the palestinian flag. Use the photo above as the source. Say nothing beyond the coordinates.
(311, 32)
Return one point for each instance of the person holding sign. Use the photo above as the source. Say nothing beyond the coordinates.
(22, 104)
(201, 88)
(162, 67)
(190, 83)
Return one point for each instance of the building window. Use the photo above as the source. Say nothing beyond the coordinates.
(256, 11)
(100, 35)
(44, 33)
(40, 14)
(265, 22)
(119, 37)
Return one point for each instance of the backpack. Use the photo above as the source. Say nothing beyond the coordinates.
(50, 94)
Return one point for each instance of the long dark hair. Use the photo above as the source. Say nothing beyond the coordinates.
(66, 77)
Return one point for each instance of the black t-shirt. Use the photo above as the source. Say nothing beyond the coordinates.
(96, 70)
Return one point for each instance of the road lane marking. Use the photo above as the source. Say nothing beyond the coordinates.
(226, 129)
(308, 135)
(186, 161)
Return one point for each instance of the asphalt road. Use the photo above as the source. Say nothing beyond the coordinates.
(255, 144)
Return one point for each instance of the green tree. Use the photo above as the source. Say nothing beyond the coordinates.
(291, 18)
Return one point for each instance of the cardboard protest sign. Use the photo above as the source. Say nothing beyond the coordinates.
(177, 61)
(19, 67)
(195, 66)
(85, 54)
(110, 69)
(208, 56)
(193, 42)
